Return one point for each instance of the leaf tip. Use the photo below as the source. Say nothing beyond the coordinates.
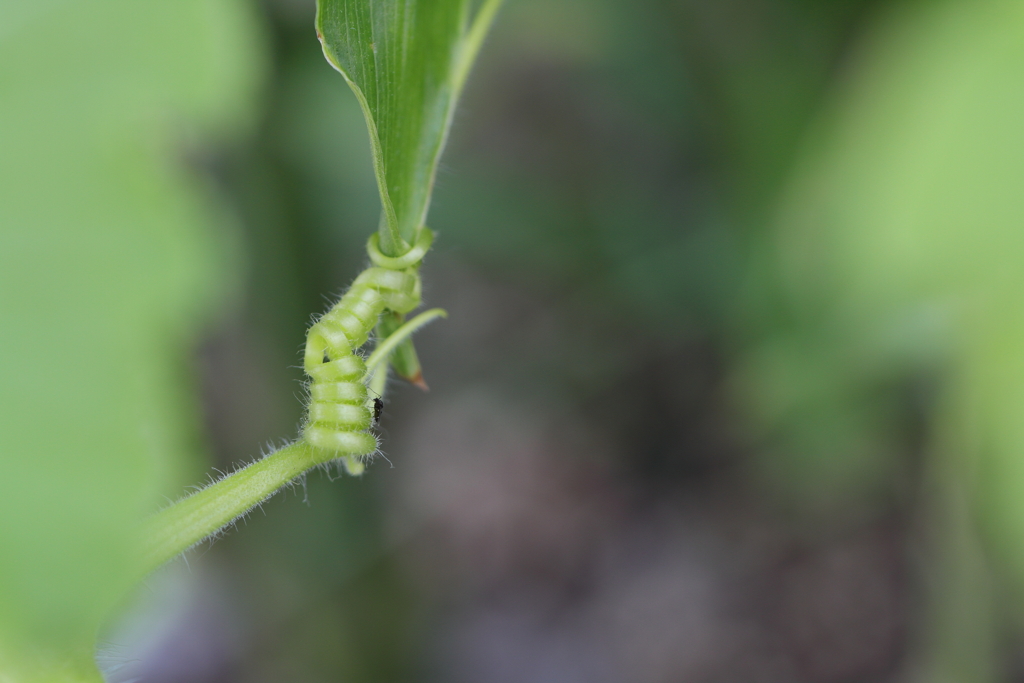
(418, 380)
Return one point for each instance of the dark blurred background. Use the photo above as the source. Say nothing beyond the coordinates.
(588, 493)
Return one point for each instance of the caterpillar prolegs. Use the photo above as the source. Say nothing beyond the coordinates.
(340, 411)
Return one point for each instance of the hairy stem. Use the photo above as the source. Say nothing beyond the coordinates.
(189, 521)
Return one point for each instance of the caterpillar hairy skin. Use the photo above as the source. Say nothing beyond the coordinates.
(340, 412)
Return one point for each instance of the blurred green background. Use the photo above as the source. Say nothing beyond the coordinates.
(732, 386)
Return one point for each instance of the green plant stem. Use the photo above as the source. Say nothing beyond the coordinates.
(384, 349)
(379, 380)
(189, 521)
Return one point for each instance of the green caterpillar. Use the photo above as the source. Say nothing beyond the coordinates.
(340, 412)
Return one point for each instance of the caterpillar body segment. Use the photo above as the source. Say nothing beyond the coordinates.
(340, 412)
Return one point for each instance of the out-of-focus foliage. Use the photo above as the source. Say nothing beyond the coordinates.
(110, 250)
(901, 250)
(898, 323)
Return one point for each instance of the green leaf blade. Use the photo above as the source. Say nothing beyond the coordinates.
(406, 61)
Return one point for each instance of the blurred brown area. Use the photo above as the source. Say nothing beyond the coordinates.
(574, 500)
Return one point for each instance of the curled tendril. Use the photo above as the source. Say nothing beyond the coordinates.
(408, 259)
(340, 411)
